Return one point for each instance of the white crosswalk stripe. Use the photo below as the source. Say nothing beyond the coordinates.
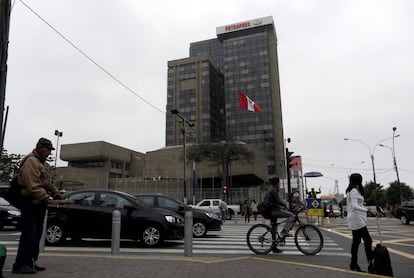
(230, 241)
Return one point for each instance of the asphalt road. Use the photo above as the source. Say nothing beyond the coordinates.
(230, 243)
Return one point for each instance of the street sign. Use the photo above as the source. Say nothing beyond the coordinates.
(314, 207)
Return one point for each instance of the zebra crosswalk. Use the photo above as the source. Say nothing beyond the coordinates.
(231, 240)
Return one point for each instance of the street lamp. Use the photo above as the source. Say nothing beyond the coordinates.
(371, 152)
(394, 159)
(184, 121)
(58, 134)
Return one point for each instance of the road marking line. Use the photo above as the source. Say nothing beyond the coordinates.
(391, 250)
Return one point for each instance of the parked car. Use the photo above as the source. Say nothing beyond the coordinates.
(90, 216)
(212, 205)
(9, 215)
(405, 212)
(336, 212)
(203, 221)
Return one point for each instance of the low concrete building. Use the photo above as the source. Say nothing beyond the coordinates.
(104, 165)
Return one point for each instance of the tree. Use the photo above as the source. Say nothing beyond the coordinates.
(397, 193)
(9, 165)
(374, 194)
(221, 155)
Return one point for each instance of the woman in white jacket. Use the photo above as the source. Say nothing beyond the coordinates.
(357, 220)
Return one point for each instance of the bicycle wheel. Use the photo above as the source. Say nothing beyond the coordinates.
(259, 239)
(308, 239)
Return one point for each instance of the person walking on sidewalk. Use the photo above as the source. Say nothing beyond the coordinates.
(36, 181)
(247, 210)
(253, 205)
(223, 210)
(357, 220)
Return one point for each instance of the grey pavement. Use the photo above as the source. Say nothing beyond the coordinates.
(123, 266)
(92, 265)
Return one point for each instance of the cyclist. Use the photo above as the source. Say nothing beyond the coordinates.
(272, 197)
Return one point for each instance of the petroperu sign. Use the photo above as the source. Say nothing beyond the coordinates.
(244, 25)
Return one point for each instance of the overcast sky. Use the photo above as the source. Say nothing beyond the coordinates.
(346, 70)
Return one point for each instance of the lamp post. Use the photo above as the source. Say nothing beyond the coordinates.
(58, 135)
(371, 155)
(394, 159)
(184, 122)
(371, 152)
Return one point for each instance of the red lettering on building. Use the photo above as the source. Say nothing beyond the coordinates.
(237, 26)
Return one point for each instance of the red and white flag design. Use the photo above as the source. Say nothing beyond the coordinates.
(246, 103)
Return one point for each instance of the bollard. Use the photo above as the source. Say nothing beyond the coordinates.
(116, 232)
(43, 238)
(188, 233)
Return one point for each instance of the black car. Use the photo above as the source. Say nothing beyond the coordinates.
(203, 221)
(405, 212)
(9, 215)
(90, 216)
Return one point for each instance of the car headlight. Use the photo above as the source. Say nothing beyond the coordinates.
(212, 215)
(172, 219)
(14, 212)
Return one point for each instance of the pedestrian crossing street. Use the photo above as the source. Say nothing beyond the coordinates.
(230, 241)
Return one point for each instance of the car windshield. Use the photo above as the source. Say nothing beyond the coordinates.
(3, 202)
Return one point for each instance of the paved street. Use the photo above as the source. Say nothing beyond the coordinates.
(222, 253)
(230, 241)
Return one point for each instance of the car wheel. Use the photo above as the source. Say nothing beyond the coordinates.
(151, 236)
(55, 233)
(199, 229)
(404, 220)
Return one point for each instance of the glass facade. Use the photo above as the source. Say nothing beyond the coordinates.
(248, 61)
(196, 90)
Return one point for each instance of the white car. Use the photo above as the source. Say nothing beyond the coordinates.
(336, 212)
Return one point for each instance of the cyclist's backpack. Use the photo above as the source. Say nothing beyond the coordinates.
(265, 207)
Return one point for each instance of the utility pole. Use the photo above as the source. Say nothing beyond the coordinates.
(4, 36)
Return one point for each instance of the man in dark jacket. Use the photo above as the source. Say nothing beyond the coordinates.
(37, 190)
(277, 205)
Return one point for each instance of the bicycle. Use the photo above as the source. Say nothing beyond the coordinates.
(263, 238)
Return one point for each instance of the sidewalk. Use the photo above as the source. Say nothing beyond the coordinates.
(102, 266)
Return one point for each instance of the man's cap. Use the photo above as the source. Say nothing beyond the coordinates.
(45, 143)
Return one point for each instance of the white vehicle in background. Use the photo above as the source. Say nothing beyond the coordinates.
(212, 205)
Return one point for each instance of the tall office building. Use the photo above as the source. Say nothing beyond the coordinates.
(195, 88)
(245, 55)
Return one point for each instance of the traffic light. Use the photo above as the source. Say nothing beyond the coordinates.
(289, 164)
(224, 189)
(289, 159)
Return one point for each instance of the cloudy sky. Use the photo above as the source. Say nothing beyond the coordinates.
(346, 70)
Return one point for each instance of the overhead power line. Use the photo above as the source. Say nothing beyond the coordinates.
(91, 60)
